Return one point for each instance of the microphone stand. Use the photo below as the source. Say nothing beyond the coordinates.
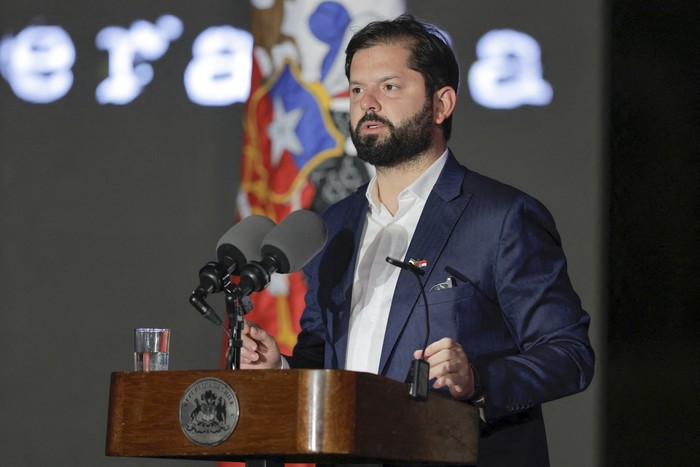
(236, 309)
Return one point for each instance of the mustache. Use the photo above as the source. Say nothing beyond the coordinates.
(372, 117)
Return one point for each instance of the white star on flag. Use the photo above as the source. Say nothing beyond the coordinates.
(282, 131)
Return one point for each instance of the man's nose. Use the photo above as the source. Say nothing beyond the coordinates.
(370, 102)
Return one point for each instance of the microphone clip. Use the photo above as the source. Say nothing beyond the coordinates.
(215, 277)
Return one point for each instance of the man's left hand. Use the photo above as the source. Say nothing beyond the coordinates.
(450, 365)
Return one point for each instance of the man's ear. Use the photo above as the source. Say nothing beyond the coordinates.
(445, 101)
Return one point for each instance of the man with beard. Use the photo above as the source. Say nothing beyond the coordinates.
(507, 331)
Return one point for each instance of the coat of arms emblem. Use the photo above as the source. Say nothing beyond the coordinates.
(209, 411)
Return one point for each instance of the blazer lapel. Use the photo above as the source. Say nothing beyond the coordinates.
(440, 214)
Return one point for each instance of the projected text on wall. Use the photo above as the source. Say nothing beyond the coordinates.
(38, 64)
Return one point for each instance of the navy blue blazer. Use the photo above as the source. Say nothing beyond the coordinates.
(513, 308)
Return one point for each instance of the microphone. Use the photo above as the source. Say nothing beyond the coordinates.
(286, 248)
(419, 371)
(234, 249)
(405, 266)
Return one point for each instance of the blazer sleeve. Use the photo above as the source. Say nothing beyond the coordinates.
(309, 349)
(542, 312)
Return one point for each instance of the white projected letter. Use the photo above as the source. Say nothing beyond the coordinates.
(219, 72)
(508, 71)
(37, 63)
(129, 50)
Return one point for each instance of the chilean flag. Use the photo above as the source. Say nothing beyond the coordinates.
(297, 152)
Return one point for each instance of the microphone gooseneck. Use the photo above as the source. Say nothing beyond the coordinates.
(418, 373)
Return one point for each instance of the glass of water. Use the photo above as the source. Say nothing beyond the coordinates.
(151, 349)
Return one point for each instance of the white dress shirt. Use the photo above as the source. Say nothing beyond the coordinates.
(375, 279)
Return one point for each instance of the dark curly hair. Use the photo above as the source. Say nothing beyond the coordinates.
(430, 53)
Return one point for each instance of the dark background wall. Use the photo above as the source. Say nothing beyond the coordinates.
(107, 212)
(652, 411)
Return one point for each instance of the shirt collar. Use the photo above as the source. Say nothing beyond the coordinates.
(421, 187)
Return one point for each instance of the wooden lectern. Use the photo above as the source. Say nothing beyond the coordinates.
(315, 416)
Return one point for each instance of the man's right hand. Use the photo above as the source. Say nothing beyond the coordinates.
(260, 350)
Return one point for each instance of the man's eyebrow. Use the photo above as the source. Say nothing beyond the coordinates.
(381, 80)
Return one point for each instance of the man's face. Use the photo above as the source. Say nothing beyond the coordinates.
(391, 120)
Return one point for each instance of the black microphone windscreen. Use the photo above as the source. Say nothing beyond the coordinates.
(296, 240)
(242, 242)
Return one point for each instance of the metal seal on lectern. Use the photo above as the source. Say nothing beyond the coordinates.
(209, 411)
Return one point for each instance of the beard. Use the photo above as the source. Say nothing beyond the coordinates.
(404, 143)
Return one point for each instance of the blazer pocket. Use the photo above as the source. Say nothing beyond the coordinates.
(461, 291)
